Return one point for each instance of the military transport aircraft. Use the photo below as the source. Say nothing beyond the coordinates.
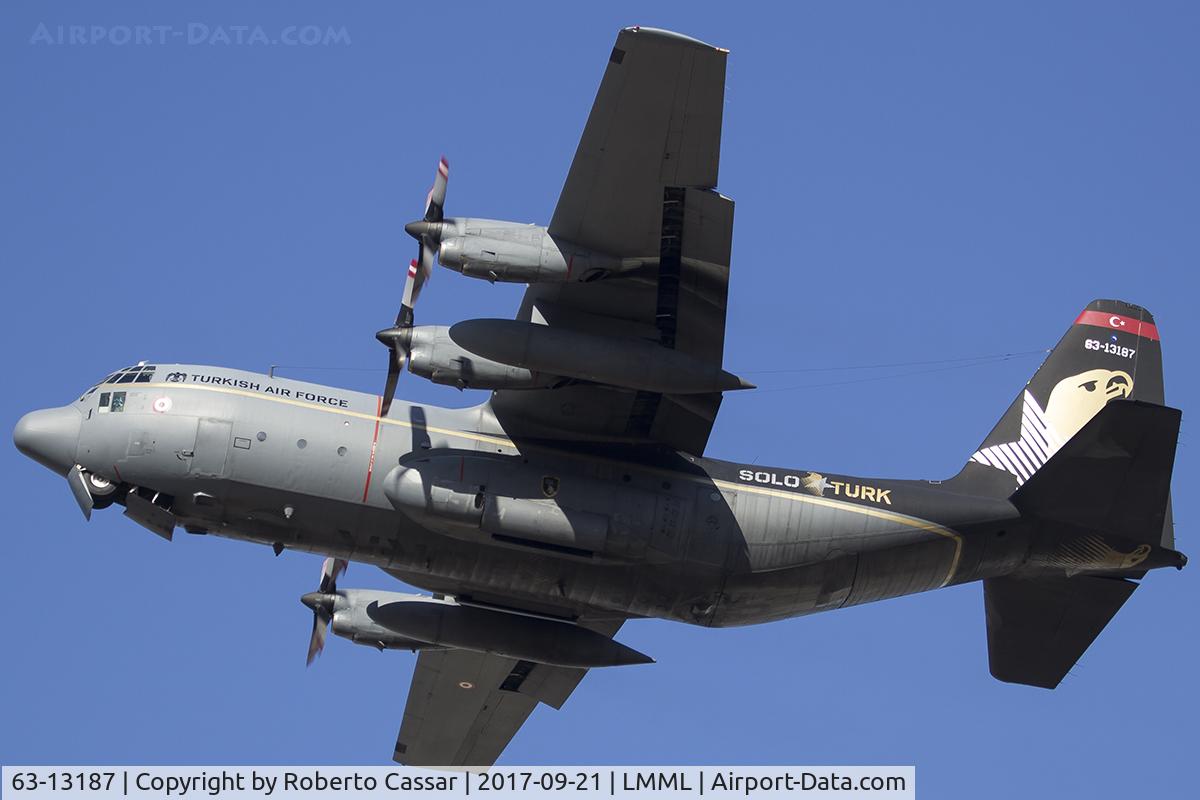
(578, 496)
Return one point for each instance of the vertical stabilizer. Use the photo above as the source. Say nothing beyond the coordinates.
(1112, 352)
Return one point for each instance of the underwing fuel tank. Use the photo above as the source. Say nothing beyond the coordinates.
(502, 500)
(446, 623)
(618, 361)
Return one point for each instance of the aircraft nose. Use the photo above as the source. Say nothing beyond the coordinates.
(50, 437)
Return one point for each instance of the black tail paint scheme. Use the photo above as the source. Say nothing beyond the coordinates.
(1112, 352)
(1113, 477)
(1085, 453)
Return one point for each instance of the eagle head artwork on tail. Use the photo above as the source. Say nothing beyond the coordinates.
(1077, 398)
(1073, 401)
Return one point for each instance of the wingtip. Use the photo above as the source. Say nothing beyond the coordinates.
(734, 383)
(662, 33)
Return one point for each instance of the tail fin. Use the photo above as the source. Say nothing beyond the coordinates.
(1112, 352)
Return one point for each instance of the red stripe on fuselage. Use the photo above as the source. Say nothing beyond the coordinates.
(1118, 322)
(374, 446)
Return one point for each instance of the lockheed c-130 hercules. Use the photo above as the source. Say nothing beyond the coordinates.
(578, 496)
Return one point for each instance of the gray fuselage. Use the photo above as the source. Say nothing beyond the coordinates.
(282, 462)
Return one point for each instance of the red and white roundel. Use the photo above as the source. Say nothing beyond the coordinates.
(162, 405)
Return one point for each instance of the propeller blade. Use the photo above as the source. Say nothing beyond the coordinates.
(404, 319)
(322, 602)
(435, 201)
(316, 642)
(389, 388)
(428, 233)
(398, 341)
(424, 265)
(331, 568)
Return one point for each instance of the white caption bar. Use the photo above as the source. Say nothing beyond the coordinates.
(487, 783)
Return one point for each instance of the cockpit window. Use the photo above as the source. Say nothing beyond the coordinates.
(92, 390)
(111, 402)
(142, 373)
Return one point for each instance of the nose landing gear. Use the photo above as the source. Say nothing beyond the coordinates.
(150, 509)
(103, 491)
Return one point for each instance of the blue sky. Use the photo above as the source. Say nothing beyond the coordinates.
(914, 182)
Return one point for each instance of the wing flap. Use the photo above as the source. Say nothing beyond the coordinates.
(704, 275)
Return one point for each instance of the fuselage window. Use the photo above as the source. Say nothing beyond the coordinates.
(104, 396)
(118, 401)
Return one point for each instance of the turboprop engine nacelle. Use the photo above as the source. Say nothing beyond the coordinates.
(615, 360)
(519, 253)
(435, 356)
(347, 610)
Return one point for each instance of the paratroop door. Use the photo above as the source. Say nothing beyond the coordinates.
(212, 447)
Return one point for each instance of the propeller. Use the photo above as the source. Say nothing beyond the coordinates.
(427, 232)
(321, 603)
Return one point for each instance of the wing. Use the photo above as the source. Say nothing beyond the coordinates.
(641, 188)
(463, 707)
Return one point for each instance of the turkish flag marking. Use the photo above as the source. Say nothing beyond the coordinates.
(1117, 322)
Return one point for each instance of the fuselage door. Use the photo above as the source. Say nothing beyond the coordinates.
(213, 437)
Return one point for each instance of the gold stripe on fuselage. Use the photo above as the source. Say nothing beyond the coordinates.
(344, 412)
(890, 516)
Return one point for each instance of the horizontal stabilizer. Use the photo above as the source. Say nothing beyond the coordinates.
(1037, 629)
(1113, 476)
